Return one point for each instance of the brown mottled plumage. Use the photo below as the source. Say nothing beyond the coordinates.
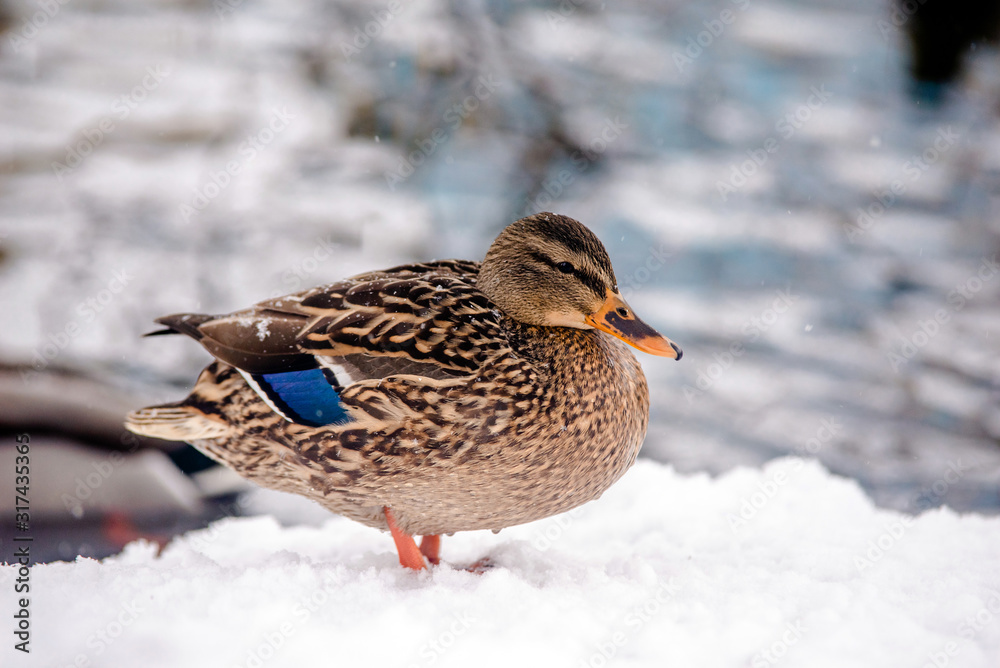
(479, 396)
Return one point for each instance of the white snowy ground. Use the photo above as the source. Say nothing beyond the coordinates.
(784, 566)
(88, 258)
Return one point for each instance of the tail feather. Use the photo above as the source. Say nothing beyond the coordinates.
(182, 323)
(255, 340)
(176, 422)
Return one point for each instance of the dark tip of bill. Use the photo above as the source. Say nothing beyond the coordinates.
(677, 349)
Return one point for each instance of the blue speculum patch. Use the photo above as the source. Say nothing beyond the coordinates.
(308, 397)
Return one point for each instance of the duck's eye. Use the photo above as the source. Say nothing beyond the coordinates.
(565, 267)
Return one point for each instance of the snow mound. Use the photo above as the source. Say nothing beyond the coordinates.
(788, 565)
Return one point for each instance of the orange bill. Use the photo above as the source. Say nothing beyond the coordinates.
(616, 318)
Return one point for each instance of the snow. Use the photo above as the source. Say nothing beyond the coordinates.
(262, 328)
(314, 205)
(785, 565)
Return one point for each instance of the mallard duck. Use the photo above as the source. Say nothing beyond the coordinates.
(430, 398)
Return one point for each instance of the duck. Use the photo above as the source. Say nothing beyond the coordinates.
(430, 398)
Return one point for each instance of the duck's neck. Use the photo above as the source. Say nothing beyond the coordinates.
(581, 356)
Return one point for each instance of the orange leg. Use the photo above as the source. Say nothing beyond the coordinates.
(409, 554)
(430, 547)
(119, 530)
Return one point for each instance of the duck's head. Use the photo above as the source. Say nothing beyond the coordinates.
(552, 271)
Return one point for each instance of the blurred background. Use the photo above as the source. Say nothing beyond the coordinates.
(805, 195)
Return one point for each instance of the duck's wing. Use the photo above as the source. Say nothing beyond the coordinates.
(301, 352)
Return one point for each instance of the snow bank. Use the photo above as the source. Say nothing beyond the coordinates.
(787, 565)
